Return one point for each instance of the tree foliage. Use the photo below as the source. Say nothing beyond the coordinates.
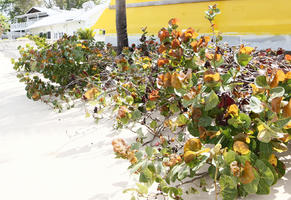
(4, 26)
(17, 7)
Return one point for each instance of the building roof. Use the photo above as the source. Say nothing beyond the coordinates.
(39, 10)
(68, 16)
(49, 11)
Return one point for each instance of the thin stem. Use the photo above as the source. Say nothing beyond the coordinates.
(201, 175)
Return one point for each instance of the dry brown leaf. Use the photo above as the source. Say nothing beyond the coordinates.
(247, 174)
(276, 102)
(287, 109)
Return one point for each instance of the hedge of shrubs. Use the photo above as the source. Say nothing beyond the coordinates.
(208, 109)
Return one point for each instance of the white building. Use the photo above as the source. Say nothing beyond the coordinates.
(54, 23)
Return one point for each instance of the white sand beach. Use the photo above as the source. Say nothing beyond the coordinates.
(46, 155)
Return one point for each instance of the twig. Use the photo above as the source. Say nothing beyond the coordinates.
(201, 175)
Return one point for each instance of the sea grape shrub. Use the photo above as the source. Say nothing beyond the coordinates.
(188, 86)
(63, 67)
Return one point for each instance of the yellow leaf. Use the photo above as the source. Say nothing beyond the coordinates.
(189, 156)
(91, 94)
(233, 109)
(288, 125)
(273, 160)
(247, 174)
(279, 76)
(88, 114)
(175, 81)
(255, 89)
(246, 50)
(248, 140)
(193, 144)
(261, 127)
(241, 147)
(210, 77)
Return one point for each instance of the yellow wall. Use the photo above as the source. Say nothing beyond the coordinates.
(237, 17)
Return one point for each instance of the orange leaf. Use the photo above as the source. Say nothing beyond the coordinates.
(173, 21)
(162, 62)
(154, 95)
(288, 57)
(241, 147)
(162, 48)
(248, 174)
(175, 43)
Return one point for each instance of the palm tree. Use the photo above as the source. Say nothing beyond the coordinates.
(121, 25)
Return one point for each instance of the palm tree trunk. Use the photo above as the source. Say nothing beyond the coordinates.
(121, 25)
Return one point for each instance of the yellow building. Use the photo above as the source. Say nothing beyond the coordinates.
(243, 18)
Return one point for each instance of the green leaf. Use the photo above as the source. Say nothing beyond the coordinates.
(152, 167)
(145, 176)
(281, 169)
(282, 122)
(276, 92)
(205, 121)
(135, 146)
(181, 120)
(226, 78)
(265, 135)
(228, 187)
(137, 166)
(133, 198)
(265, 172)
(174, 108)
(183, 172)
(229, 156)
(243, 59)
(129, 100)
(154, 124)
(261, 81)
(149, 151)
(211, 101)
(217, 63)
(150, 105)
(142, 189)
(212, 171)
(138, 155)
(275, 174)
(265, 150)
(245, 119)
(263, 187)
(253, 186)
(256, 105)
(192, 129)
(135, 115)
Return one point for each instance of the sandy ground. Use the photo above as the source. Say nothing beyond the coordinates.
(45, 155)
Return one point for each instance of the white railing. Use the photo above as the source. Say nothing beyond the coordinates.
(21, 26)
